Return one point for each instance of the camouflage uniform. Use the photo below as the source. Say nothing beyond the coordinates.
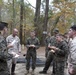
(58, 64)
(59, 58)
(4, 70)
(50, 55)
(47, 41)
(31, 52)
(4, 55)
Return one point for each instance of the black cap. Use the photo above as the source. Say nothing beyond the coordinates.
(73, 27)
(2, 25)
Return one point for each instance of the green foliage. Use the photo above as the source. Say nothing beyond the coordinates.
(62, 13)
(64, 9)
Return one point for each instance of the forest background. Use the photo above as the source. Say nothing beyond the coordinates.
(43, 18)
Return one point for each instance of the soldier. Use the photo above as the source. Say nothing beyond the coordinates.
(72, 51)
(4, 56)
(67, 40)
(15, 49)
(58, 53)
(32, 43)
(50, 56)
(47, 41)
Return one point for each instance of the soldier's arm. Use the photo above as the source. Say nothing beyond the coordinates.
(3, 45)
(9, 45)
(27, 43)
(19, 46)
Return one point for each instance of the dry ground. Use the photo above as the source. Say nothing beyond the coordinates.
(20, 67)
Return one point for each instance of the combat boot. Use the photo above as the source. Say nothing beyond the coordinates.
(13, 69)
(42, 72)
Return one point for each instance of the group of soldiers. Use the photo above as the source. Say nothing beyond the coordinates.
(56, 51)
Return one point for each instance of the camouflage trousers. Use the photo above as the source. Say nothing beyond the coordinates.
(59, 67)
(4, 70)
(31, 55)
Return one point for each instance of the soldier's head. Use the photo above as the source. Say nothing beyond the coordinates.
(72, 31)
(15, 32)
(32, 33)
(56, 31)
(3, 28)
(59, 37)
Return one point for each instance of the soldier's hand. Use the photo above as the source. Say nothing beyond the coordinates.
(52, 51)
(54, 48)
(32, 45)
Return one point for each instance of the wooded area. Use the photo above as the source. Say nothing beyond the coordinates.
(43, 18)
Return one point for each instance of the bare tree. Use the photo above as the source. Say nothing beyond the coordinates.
(0, 13)
(13, 14)
(45, 20)
(21, 19)
(37, 15)
(1, 4)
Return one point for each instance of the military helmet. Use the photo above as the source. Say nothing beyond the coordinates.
(2, 25)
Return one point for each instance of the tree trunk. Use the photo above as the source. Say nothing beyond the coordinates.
(0, 14)
(45, 20)
(75, 15)
(55, 24)
(13, 14)
(21, 19)
(37, 15)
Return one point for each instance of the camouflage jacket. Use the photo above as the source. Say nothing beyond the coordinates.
(53, 41)
(3, 44)
(3, 50)
(63, 48)
(31, 41)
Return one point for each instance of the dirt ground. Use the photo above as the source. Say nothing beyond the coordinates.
(20, 67)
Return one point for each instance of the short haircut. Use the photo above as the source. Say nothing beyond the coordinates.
(2, 25)
(61, 35)
(73, 27)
